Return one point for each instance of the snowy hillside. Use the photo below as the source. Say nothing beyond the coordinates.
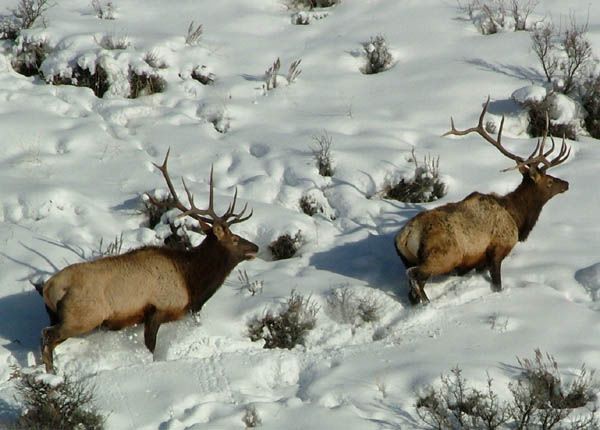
(74, 167)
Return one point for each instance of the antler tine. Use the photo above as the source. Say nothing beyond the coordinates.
(238, 218)
(480, 129)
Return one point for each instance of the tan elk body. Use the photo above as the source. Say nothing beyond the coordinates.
(481, 230)
(152, 285)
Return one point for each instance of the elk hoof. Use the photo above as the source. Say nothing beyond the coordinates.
(496, 288)
(414, 297)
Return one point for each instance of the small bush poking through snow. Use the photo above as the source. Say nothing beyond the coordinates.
(193, 34)
(271, 74)
(424, 186)
(251, 419)
(152, 59)
(97, 81)
(344, 306)
(145, 84)
(113, 42)
(113, 248)
(29, 56)
(51, 403)
(252, 287)
(591, 103)
(492, 16)
(203, 75)
(322, 154)
(538, 110)
(285, 246)
(309, 205)
(539, 400)
(104, 9)
(155, 212)
(287, 328)
(378, 56)
(311, 4)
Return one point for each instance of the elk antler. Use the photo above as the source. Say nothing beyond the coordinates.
(538, 156)
(206, 217)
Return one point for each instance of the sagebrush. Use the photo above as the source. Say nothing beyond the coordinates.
(288, 327)
(425, 185)
(539, 400)
(51, 404)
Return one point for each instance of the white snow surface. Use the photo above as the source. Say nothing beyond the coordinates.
(73, 168)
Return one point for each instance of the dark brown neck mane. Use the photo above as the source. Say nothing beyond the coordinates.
(524, 204)
(205, 269)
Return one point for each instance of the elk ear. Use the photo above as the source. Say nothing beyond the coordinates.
(218, 231)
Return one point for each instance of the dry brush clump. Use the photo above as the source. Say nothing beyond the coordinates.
(424, 186)
(539, 400)
(272, 73)
(286, 246)
(51, 403)
(288, 327)
(565, 54)
(540, 119)
(23, 16)
(493, 16)
(143, 83)
(321, 152)
(377, 54)
(346, 307)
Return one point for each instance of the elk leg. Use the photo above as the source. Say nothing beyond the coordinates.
(495, 263)
(417, 279)
(152, 321)
(50, 338)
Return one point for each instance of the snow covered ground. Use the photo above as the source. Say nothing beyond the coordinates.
(73, 168)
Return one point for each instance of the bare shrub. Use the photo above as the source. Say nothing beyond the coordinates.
(294, 71)
(104, 9)
(377, 54)
(251, 419)
(493, 16)
(424, 186)
(145, 84)
(113, 42)
(311, 4)
(113, 248)
(287, 328)
(455, 405)
(270, 77)
(590, 100)
(203, 75)
(271, 74)
(30, 11)
(322, 153)
(22, 17)
(309, 205)
(564, 55)
(252, 287)
(152, 59)
(193, 34)
(285, 246)
(344, 306)
(154, 212)
(51, 403)
(96, 81)
(539, 112)
(29, 56)
(520, 10)
(539, 400)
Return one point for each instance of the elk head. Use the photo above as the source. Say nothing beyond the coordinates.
(533, 168)
(214, 226)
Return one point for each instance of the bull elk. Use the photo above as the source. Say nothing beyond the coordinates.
(481, 230)
(152, 285)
